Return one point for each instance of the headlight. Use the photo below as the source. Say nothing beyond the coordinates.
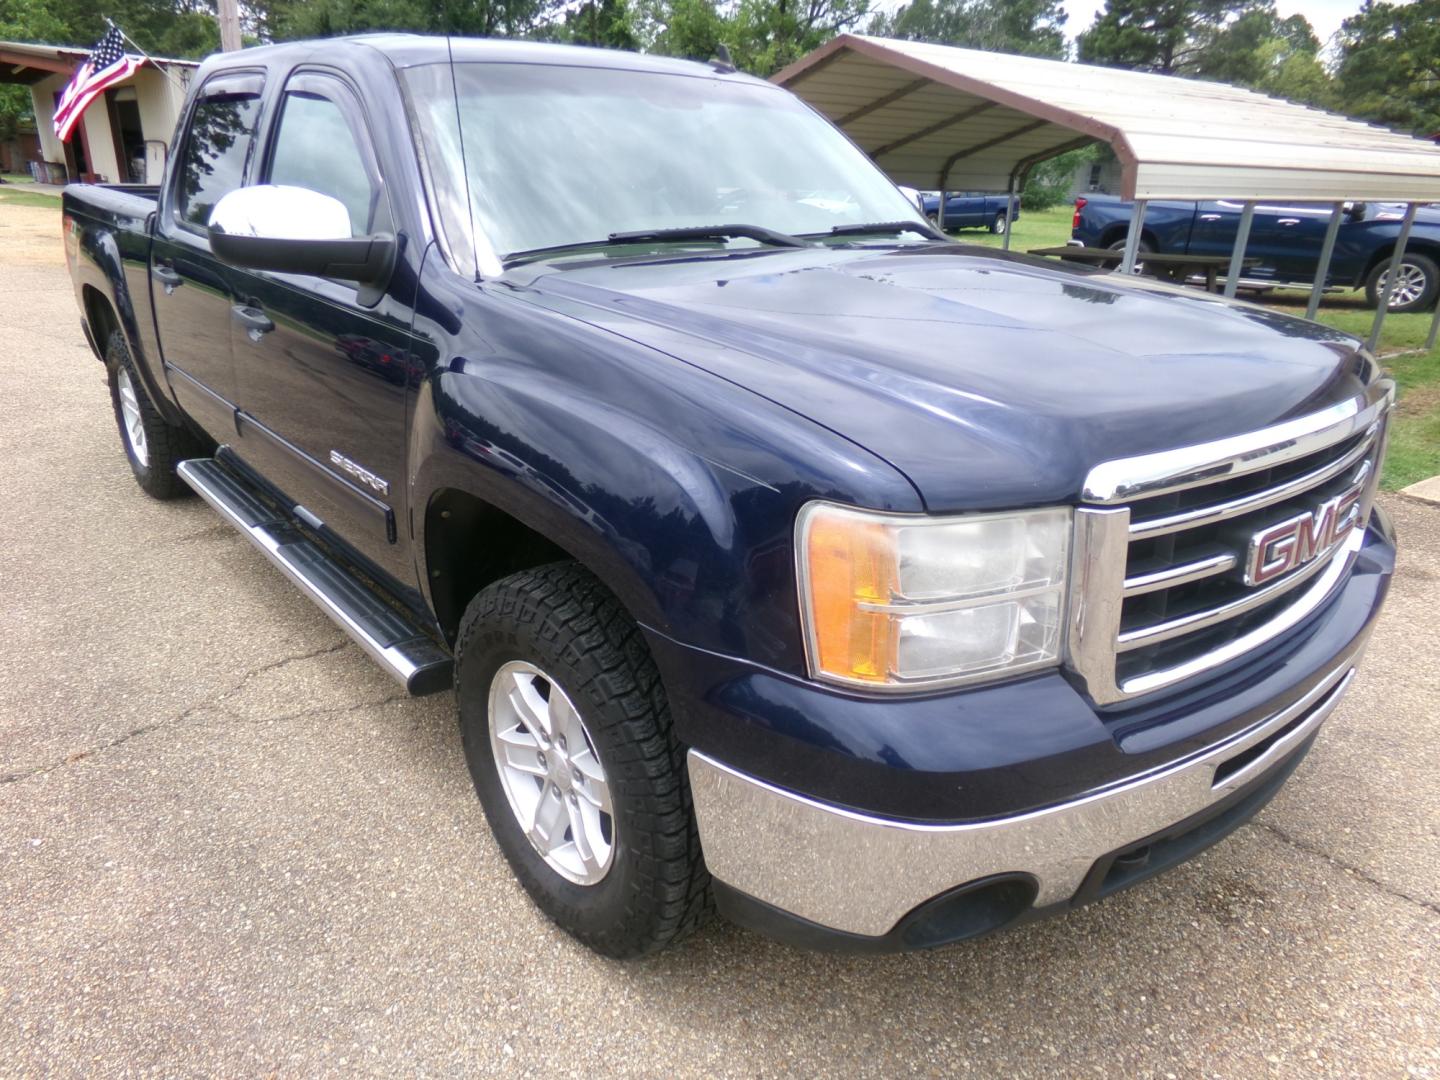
(902, 602)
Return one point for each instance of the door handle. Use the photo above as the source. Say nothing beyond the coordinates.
(255, 321)
(1211, 217)
(167, 277)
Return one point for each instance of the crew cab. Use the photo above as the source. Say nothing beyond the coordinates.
(782, 555)
(971, 210)
(1285, 242)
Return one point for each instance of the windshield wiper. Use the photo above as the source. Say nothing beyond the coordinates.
(515, 258)
(659, 236)
(758, 233)
(882, 227)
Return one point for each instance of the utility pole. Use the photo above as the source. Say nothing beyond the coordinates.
(229, 14)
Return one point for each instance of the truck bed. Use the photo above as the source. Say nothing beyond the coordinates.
(121, 206)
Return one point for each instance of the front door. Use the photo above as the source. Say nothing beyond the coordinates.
(322, 366)
(1213, 230)
(189, 286)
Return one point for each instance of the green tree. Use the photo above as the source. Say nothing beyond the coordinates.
(765, 35)
(1260, 50)
(692, 29)
(287, 20)
(1027, 27)
(1166, 36)
(1389, 67)
(604, 23)
(1244, 42)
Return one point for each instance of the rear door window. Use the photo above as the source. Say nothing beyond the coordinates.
(217, 143)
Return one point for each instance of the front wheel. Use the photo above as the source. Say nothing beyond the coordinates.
(1416, 284)
(567, 734)
(1001, 225)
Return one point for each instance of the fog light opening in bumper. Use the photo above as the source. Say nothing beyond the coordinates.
(971, 910)
(968, 911)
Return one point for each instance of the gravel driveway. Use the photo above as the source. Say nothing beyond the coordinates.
(229, 847)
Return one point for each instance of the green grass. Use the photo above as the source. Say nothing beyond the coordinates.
(1047, 228)
(17, 178)
(11, 197)
(1415, 434)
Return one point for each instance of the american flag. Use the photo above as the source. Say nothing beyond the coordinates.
(106, 65)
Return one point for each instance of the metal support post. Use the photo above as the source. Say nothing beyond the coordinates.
(1132, 238)
(1009, 214)
(1237, 253)
(1373, 342)
(1322, 269)
(940, 211)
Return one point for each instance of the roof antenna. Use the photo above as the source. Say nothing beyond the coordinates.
(723, 64)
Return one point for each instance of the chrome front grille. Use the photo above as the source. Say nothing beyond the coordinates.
(1191, 558)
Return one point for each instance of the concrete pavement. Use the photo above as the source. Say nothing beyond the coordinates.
(228, 846)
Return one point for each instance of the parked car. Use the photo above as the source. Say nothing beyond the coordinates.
(806, 564)
(971, 210)
(1286, 241)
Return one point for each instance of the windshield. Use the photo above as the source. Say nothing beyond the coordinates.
(569, 155)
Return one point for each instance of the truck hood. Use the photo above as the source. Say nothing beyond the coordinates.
(988, 379)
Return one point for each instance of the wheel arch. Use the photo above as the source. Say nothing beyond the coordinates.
(1421, 245)
(1115, 233)
(107, 305)
(470, 543)
(101, 319)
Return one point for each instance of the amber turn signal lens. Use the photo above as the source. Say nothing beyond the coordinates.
(851, 562)
(910, 602)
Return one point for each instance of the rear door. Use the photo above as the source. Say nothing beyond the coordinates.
(1287, 239)
(190, 288)
(968, 209)
(322, 366)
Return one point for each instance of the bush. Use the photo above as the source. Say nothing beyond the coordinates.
(1049, 183)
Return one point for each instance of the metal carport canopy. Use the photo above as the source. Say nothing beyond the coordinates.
(938, 117)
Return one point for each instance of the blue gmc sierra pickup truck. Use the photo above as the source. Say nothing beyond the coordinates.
(783, 556)
(1285, 242)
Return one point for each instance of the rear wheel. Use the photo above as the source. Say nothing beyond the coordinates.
(1001, 224)
(1416, 284)
(567, 733)
(1142, 249)
(153, 445)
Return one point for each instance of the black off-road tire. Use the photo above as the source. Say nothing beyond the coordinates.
(165, 444)
(1415, 262)
(561, 619)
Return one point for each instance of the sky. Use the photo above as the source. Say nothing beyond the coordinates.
(1324, 15)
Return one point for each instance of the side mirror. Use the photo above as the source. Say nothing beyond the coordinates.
(1354, 211)
(293, 230)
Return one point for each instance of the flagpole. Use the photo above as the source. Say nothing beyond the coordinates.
(164, 70)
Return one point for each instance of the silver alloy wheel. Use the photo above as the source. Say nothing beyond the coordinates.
(1409, 285)
(1002, 224)
(553, 779)
(134, 423)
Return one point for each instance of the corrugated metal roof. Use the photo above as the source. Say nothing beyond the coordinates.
(933, 116)
(75, 54)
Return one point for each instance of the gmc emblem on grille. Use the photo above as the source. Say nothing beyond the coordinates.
(1291, 544)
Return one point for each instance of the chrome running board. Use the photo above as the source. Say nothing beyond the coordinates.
(411, 657)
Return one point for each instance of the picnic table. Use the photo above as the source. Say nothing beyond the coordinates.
(1179, 268)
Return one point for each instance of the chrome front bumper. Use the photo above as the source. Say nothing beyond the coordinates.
(861, 875)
